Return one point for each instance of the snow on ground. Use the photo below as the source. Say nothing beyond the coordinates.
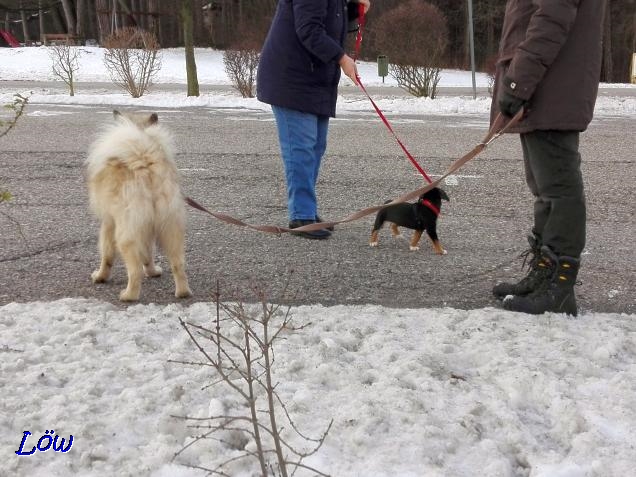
(412, 393)
(431, 392)
(34, 64)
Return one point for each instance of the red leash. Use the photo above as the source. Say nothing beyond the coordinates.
(361, 22)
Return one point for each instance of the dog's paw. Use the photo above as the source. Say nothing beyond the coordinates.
(153, 270)
(414, 248)
(186, 293)
(126, 295)
(98, 277)
(373, 244)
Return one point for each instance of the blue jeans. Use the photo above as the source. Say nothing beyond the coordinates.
(303, 140)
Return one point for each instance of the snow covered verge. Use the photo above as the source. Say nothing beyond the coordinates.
(430, 392)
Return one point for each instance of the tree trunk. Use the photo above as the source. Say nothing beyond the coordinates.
(92, 29)
(102, 8)
(57, 20)
(80, 28)
(491, 41)
(466, 58)
(41, 19)
(154, 24)
(129, 18)
(607, 70)
(25, 25)
(69, 16)
(188, 37)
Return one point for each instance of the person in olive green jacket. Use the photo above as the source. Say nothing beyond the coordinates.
(549, 64)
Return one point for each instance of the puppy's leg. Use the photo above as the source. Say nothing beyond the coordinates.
(106, 249)
(373, 242)
(417, 234)
(379, 221)
(151, 268)
(171, 239)
(395, 232)
(437, 246)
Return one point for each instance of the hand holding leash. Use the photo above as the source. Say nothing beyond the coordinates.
(366, 4)
(349, 68)
(510, 104)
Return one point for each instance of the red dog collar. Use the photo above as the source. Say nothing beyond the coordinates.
(430, 205)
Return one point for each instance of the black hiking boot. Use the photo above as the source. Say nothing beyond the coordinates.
(536, 273)
(556, 293)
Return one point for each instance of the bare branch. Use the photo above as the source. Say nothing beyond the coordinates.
(133, 59)
(241, 65)
(17, 109)
(250, 358)
(65, 60)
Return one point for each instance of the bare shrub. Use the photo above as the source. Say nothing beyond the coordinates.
(132, 58)
(414, 36)
(239, 347)
(65, 63)
(16, 109)
(241, 63)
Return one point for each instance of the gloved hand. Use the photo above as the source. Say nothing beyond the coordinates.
(510, 105)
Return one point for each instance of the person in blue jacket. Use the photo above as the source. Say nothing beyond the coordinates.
(298, 75)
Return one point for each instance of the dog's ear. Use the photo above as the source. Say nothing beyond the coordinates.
(116, 113)
(153, 119)
(444, 195)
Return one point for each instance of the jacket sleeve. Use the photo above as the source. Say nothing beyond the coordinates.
(309, 21)
(547, 32)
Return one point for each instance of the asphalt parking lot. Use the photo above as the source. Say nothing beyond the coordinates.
(230, 163)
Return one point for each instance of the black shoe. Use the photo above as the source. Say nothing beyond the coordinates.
(320, 234)
(330, 228)
(556, 293)
(537, 273)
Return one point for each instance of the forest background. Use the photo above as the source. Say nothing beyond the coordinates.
(222, 24)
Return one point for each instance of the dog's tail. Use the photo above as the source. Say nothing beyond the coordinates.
(136, 166)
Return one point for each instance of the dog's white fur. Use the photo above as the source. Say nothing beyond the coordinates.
(133, 186)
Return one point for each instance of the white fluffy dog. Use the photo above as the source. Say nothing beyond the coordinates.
(133, 186)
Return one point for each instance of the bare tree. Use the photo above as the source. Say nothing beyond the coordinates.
(414, 35)
(240, 66)
(16, 109)
(241, 61)
(188, 36)
(132, 58)
(80, 20)
(239, 346)
(65, 62)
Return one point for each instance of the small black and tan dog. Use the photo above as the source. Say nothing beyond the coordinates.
(419, 216)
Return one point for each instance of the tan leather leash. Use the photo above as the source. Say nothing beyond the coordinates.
(499, 127)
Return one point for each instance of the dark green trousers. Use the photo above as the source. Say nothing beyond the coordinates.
(553, 174)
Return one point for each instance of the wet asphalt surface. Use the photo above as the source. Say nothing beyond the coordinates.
(230, 163)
